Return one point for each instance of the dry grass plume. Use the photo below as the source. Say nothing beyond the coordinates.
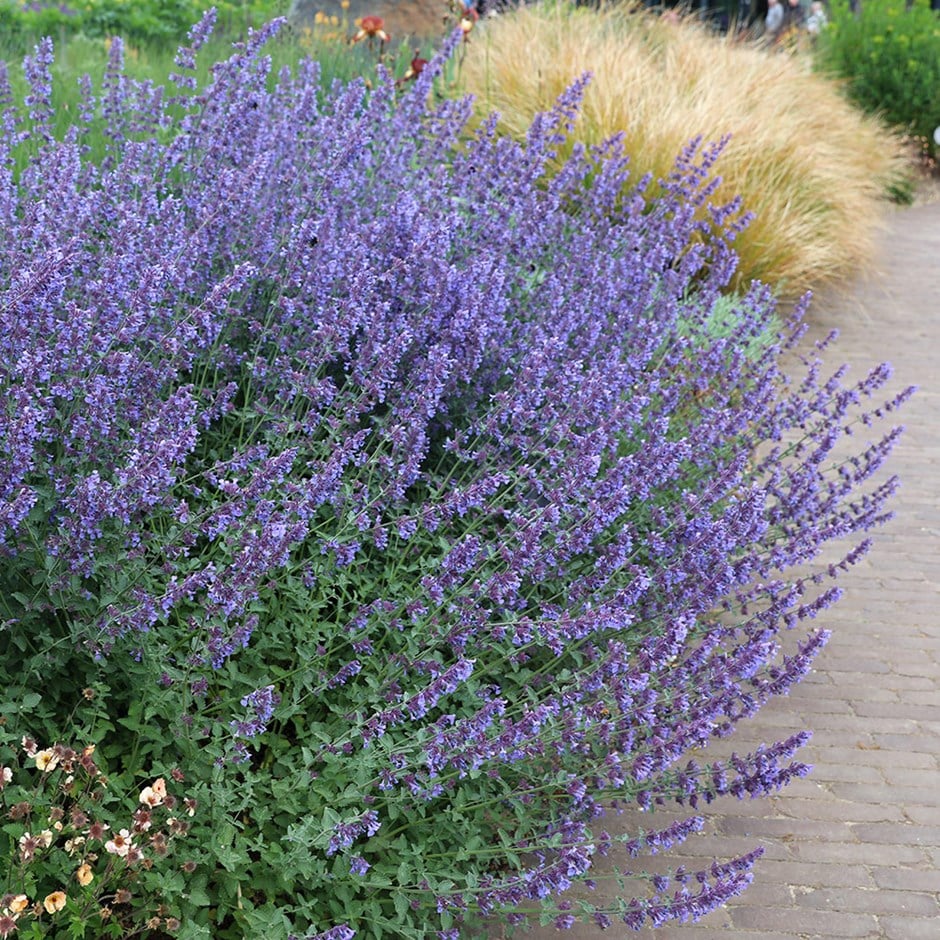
(812, 168)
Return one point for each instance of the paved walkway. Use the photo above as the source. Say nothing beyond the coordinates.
(854, 849)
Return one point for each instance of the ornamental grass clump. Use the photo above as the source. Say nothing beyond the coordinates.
(812, 169)
(416, 522)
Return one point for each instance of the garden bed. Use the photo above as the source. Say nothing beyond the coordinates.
(379, 515)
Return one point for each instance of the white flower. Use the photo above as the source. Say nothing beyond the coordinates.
(72, 844)
(46, 760)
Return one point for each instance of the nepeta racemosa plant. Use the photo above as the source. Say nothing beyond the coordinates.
(408, 504)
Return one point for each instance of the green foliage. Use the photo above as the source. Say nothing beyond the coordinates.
(141, 21)
(889, 56)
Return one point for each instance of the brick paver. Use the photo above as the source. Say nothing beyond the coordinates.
(854, 849)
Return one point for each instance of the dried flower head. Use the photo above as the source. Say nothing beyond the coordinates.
(72, 845)
(77, 817)
(142, 820)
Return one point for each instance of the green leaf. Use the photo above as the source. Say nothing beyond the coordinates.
(191, 931)
(401, 905)
(404, 875)
(30, 700)
(197, 892)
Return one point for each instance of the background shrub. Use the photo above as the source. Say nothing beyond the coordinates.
(888, 55)
(812, 170)
(413, 521)
(143, 21)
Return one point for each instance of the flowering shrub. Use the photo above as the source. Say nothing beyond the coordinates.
(888, 54)
(420, 522)
(63, 864)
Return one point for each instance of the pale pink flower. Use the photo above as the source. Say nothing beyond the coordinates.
(28, 845)
(120, 844)
(154, 795)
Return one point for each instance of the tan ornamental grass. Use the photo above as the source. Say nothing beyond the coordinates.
(813, 169)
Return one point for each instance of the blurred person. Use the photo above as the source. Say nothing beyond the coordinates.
(817, 18)
(773, 21)
(794, 16)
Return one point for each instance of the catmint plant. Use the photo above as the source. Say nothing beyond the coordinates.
(408, 503)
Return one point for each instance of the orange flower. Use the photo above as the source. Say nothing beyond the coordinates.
(371, 27)
(54, 902)
(18, 904)
(84, 874)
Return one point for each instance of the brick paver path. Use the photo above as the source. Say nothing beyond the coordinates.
(854, 849)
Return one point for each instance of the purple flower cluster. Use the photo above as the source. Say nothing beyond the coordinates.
(261, 703)
(344, 834)
(340, 932)
(316, 360)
